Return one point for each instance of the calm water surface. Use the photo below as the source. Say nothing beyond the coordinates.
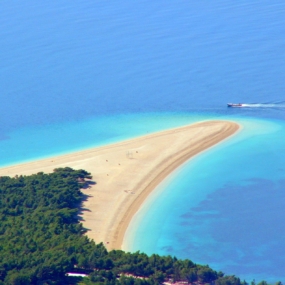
(85, 73)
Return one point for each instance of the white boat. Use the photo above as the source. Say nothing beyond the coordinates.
(235, 105)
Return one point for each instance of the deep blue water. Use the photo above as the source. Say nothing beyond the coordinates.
(85, 73)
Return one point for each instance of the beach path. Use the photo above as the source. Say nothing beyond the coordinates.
(126, 172)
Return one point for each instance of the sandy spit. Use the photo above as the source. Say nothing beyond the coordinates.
(126, 172)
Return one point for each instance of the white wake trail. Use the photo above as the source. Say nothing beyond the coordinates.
(264, 105)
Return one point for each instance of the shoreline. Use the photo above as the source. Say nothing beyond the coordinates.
(181, 157)
(126, 172)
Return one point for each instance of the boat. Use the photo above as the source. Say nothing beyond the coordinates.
(236, 105)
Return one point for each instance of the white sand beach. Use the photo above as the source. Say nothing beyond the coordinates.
(126, 172)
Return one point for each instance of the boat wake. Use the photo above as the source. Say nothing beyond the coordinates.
(264, 105)
(258, 105)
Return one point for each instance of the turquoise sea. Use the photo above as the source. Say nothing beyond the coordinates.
(85, 73)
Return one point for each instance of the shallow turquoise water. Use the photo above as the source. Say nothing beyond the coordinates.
(31, 143)
(223, 207)
(85, 73)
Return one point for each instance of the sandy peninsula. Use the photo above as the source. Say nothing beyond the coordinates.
(126, 172)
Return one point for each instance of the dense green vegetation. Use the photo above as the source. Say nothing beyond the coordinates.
(41, 239)
(40, 236)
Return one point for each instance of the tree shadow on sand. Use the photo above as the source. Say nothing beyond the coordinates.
(87, 185)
